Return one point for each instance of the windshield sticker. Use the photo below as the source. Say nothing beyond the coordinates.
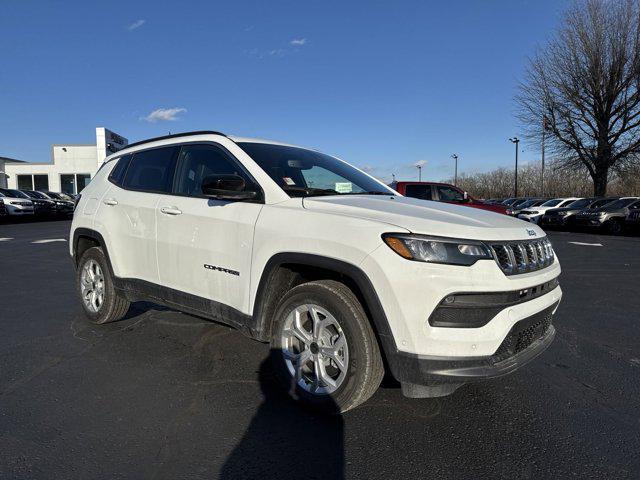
(344, 187)
(288, 180)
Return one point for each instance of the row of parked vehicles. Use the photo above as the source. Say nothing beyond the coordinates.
(612, 214)
(33, 203)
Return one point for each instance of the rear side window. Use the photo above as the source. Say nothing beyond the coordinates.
(151, 170)
(117, 174)
(423, 192)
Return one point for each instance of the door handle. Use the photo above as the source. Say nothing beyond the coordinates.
(110, 201)
(171, 210)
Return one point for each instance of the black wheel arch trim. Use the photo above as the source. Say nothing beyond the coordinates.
(373, 305)
(82, 232)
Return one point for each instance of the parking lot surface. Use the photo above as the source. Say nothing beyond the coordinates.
(167, 395)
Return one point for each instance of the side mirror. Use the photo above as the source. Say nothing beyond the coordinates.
(226, 187)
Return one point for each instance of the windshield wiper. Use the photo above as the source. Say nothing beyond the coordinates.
(372, 192)
(308, 191)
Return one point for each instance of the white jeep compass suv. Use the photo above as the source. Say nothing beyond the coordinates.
(342, 275)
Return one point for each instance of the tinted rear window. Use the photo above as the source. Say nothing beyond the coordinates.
(151, 170)
(423, 192)
(117, 174)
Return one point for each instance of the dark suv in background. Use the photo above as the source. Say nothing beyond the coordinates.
(610, 216)
(64, 203)
(42, 205)
(564, 217)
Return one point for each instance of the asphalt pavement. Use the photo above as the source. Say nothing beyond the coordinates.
(167, 395)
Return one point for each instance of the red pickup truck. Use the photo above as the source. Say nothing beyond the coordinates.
(443, 192)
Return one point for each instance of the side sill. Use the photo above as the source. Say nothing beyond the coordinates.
(140, 290)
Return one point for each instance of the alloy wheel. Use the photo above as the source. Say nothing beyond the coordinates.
(92, 286)
(315, 349)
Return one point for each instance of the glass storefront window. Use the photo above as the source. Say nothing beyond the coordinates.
(25, 182)
(41, 182)
(67, 183)
(82, 180)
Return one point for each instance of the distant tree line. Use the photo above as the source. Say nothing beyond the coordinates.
(581, 94)
(558, 182)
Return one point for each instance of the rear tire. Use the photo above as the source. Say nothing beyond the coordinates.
(343, 348)
(99, 299)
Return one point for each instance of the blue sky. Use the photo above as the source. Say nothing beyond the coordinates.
(380, 84)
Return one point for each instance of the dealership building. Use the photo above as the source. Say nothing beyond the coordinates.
(71, 168)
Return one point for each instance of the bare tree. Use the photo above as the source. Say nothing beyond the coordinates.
(582, 90)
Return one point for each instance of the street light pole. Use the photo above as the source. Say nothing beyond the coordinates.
(516, 140)
(455, 178)
(419, 172)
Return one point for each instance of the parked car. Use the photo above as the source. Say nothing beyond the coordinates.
(632, 221)
(443, 192)
(16, 203)
(611, 217)
(64, 204)
(532, 202)
(42, 205)
(534, 214)
(3, 209)
(329, 265)
(565, 216)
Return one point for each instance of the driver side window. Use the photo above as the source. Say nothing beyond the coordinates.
(448, 194)
(196, 162)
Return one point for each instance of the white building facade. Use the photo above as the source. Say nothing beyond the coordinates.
(71, 168)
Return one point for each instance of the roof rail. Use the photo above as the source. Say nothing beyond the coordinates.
(175, 135)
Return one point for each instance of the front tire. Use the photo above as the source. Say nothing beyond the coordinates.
(615, 227)
(324, 351)
(100, 300)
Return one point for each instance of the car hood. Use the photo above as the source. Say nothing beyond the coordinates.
(607, 210)
(427, 217)
(565, 209)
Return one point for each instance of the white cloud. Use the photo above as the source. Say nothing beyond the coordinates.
(367, 168)
(164, 115)
(298, 42)
(420, 163)
(136, 24)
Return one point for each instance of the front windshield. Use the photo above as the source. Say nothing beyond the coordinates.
(601, 203)
(15, 193)
(623, 202)
(579, 203)
(551, 203)
(35, 194)
(304, 173)
(528, 203)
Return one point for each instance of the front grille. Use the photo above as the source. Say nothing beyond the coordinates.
(523, 256)
(523, 334)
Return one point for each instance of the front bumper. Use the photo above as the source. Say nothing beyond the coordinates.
(18, 210)
(593, 222)
(530, 218)
(526, 340)
(555, 220)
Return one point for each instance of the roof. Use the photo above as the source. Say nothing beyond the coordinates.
(12, 160)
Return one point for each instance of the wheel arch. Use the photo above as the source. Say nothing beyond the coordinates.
(85, 238)
(285, 270)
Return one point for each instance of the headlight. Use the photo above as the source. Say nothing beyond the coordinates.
(509, 211)
(422, 248)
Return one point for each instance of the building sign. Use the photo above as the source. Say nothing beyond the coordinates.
(114, 141)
